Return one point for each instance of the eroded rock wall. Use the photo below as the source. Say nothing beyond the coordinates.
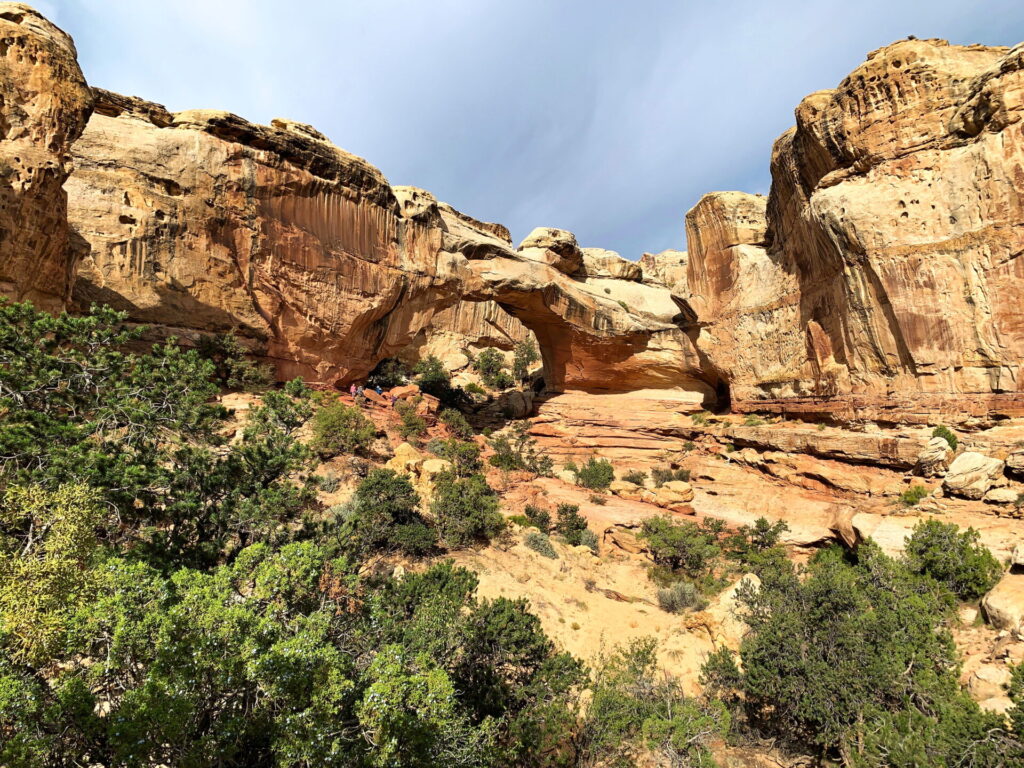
(896, 205)
(44, 105)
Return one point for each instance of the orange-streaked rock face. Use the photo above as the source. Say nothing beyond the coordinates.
(44, 104)
(896, 202)
(891, 266)
(200, 221)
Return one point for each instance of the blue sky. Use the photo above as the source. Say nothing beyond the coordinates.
(606, 118)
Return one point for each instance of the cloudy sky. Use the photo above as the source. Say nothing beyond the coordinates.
(606, 117)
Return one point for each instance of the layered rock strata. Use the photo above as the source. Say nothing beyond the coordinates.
(44, 105)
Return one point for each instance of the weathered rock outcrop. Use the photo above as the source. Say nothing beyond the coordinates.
(742, 297)
(200, 221)
(907, 259)
(44, 104)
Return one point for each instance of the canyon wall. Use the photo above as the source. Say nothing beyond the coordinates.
(44, 104)
(880, 279)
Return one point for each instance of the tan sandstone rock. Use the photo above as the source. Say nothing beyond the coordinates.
(971, 475)
(934, 458)
(44, 105)
(1004, 603)
(555, 247)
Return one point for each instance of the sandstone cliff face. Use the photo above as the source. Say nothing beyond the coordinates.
(896, 206)
(466, 326)
(44, 104)
(200, 221)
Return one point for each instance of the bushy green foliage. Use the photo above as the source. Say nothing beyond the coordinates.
(540, 543)
(952, 557)
(434, 379)
(662, 475)
(569, 523)
(524, 357)
(589, 539)
(466, 509)
(502, 380)
(635, 476)
(596, 498)
(411, 425)
(685, 546)
(516, 450)
(474, 389)
(538, 517)
(851, 659)
(946, 434)
(387, 374)
(596, 474)
(176, 613)
(232, 366)
(635, 709)
(757, 546)
(680, 596)
(490, 364)
(753, 420)
(340, 428)
(382, 514)
(456, 422)
(700, 418)
(464, 456)
(913, 495)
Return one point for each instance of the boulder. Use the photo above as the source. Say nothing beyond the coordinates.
(1017, 556)
(999, 705)
(934, 458)
(555, 247)
(1015, 464)
(1001, 496)
(405, 391)
(407, 460)
(626, 490)
(971, 475)
(1004, 604)
(599, 262)
(988, 681)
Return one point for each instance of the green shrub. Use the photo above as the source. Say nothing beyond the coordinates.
(328, 483)
(851, 660)
(232, 367)
(489, 363)
(946, 434)
(636, 708)
(952, 557)
(383, 502)
(913, 495)
(416, 539)
(540, 543)
(679, 597)
(684, 546)
(1020, 501)
(569, 523)
(623, 304)
(472, 388)
(516, 450)
(700, 418)
(434, 379)
(662, 475)
(753, 420)
(538, 517)
(688, 446)
(411, 425)
(502, 380)
(340, 428)
(456, 422)
(464, 455)
(598, 499)
(596, 474)
(525, 356)
(635, 476)
(757, 546)
(465, 509)
(589, 539)
(521, 520)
